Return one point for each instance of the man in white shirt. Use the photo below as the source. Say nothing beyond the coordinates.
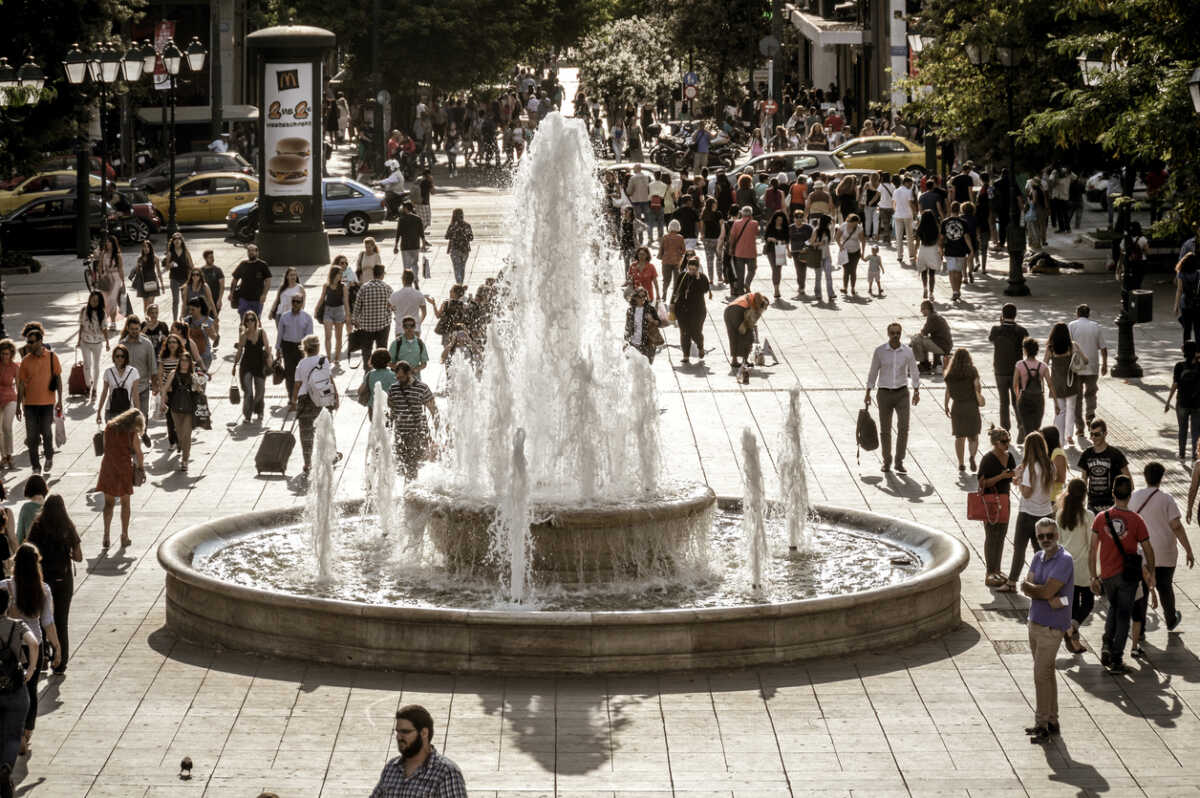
(894, 368)
(1090, 337)
(655, 216)
(408, 301)
(904, 210)
(637, 188)
(1161, 514)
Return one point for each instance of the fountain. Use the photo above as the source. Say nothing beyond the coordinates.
(546, 539)
(380, 468)
(322, 512)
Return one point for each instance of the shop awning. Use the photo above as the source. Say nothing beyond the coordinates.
(192, 114)
(821, 31)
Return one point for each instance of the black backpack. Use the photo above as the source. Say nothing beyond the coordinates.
(119, 400)
(12, 674)
(867, 434)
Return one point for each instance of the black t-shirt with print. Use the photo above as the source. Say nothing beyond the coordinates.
(954, 236)
(1100, 469)
(990, 466)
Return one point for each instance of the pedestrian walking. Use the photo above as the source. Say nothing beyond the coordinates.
(957, 248)
(1101, 465)
(14, 701)
(251, 283)
(1029, 378)
(331, 309)
(1185, 388)
(1058, 460)
(408, 347)
(31, 602)
(409, 400)
(1089, 336)
(929, 252)
(419, 765)
(121, 469)
(819, 254)
(642, 325)
(851, 242)
(39, 396)
(997, 468)
(1164, 525)
(315, 391)
(1075, 532)
(671, 248)
(710, 232)
(688, 305)
(410, 232)
(9, 369)
(459, 236)
(35, 493)
(251, 365)
(110, 273)
(143, 358)
(1006, 338)
(964, 390)
(904, 213)
(1187, 295)
(1050, 587)
(181, 402)
(291, 328)
(1061, 352)
(894, 369)
(372, 316)
(147, 275)
(177, 262)
(743, 249)
(1116, 569)
(58, 542)
(120, 385)
(1034, 477)
(93, 339)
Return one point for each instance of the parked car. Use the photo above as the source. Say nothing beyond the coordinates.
(67, 161)
(48, 224)
(791, 163)
(346, 203)
(206, 198)
(144, 221)
(156, 180)
(623, 171)
(59, 183)
(885, 153)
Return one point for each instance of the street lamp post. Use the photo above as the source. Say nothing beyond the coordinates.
(1126, 367)
(173, 59)
(1008, 58)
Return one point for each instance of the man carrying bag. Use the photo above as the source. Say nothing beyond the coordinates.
(1118, 571)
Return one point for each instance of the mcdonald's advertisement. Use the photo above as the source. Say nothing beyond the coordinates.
(288, 127)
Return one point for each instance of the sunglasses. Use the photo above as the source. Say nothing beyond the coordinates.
(1046, 536)
(410, 326)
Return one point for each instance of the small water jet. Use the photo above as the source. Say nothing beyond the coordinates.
(510, 531)
(754, 510)
(380, 467)
(322, 512)
(793, 477)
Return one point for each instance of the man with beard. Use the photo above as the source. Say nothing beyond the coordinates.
(419, 770)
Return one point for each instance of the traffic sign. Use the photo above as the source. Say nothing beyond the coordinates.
(768, 46)
(690, 92)
(691, 79)
(770, 107)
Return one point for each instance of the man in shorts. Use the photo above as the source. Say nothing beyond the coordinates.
(956, 248)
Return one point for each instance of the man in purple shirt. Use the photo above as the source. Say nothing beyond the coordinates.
(1050, 586)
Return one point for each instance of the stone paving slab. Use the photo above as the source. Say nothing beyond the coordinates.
(942, 718)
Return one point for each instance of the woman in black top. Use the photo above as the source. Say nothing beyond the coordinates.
(724, 194)
(254, 362)
(687, 303)
(331, 309)
(58, 541)
(710, 231)
(996, 472)
(452, 313)
(776, 235)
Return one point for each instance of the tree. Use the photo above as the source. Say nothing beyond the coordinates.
(628, 61)
(722, 34)
(46, 29)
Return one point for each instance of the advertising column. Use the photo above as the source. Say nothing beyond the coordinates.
(290, 230)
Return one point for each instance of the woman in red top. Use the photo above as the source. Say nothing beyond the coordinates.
(8, 399)
(122, 452)
(642, 273)
(741, 317)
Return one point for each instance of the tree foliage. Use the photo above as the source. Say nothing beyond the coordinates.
(722, 35)
(628, 61)
(46, 29)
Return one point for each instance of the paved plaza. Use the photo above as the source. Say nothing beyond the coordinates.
(943, 718)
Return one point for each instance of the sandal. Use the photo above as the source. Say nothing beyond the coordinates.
(1007, 587)
(995, 580)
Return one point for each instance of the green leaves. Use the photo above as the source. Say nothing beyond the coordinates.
(628, 61)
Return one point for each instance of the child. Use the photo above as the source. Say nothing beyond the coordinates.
(874, 270)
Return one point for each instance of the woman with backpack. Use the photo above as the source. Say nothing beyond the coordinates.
(123, 466)
(58, 541)
(1062, 354)
(93, 334)
(120, 385)
(1187, 295)
(459, 236)
(30, 601)
(1029, 378)
(181, 404)
(17, 659)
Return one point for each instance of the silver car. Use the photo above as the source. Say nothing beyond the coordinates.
(791, 163)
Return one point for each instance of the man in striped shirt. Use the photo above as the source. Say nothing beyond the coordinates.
(408, 399)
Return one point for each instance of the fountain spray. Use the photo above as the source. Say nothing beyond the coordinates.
(644, 401)
(793, 477)
(753, 509)
(321, 511)
(380, 465)
(511, 539)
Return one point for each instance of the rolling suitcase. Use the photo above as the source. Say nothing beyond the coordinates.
(275, 450)
(77, 381)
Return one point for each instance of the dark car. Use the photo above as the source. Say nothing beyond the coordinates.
(48, 225)
(156, 180)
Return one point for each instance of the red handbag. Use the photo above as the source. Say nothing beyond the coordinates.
(991, 508)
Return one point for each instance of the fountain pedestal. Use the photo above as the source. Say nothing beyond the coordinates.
(579, 543)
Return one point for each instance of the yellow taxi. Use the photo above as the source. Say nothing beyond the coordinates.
(59, 183)
(207, 198)
(883, 153)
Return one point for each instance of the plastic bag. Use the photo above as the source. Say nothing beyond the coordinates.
(60, 428)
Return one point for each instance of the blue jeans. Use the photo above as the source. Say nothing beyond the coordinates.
(1184, 415)
(411, 259)
(655, 220)
(13, 708)
(641, 210)
(458, 259)
(245, 305)
(827, 268)
(1120, 609)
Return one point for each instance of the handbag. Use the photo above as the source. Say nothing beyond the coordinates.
(362, 395)
(60, 429)
(202, 414)
(991, 508)
(426, 273)
(139, 475)
(235, 395)
(1131, 564)
(278, 373)
(781, 254)
(98, 443)
(149, 286)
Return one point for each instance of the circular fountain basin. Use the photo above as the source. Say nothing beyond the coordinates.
(574, 543)
(207, 610)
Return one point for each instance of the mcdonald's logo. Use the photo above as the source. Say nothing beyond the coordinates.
(287, 79)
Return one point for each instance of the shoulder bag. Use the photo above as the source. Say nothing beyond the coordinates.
(990, 507)
(1131, 564)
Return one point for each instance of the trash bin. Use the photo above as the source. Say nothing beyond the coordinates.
(1143, 306)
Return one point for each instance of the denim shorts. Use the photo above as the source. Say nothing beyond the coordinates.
(954, 264)
(335, 315)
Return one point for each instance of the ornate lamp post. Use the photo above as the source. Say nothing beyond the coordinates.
(173, 59)
(1008, 58)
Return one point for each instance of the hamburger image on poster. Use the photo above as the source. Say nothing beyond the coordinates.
(288, 129)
